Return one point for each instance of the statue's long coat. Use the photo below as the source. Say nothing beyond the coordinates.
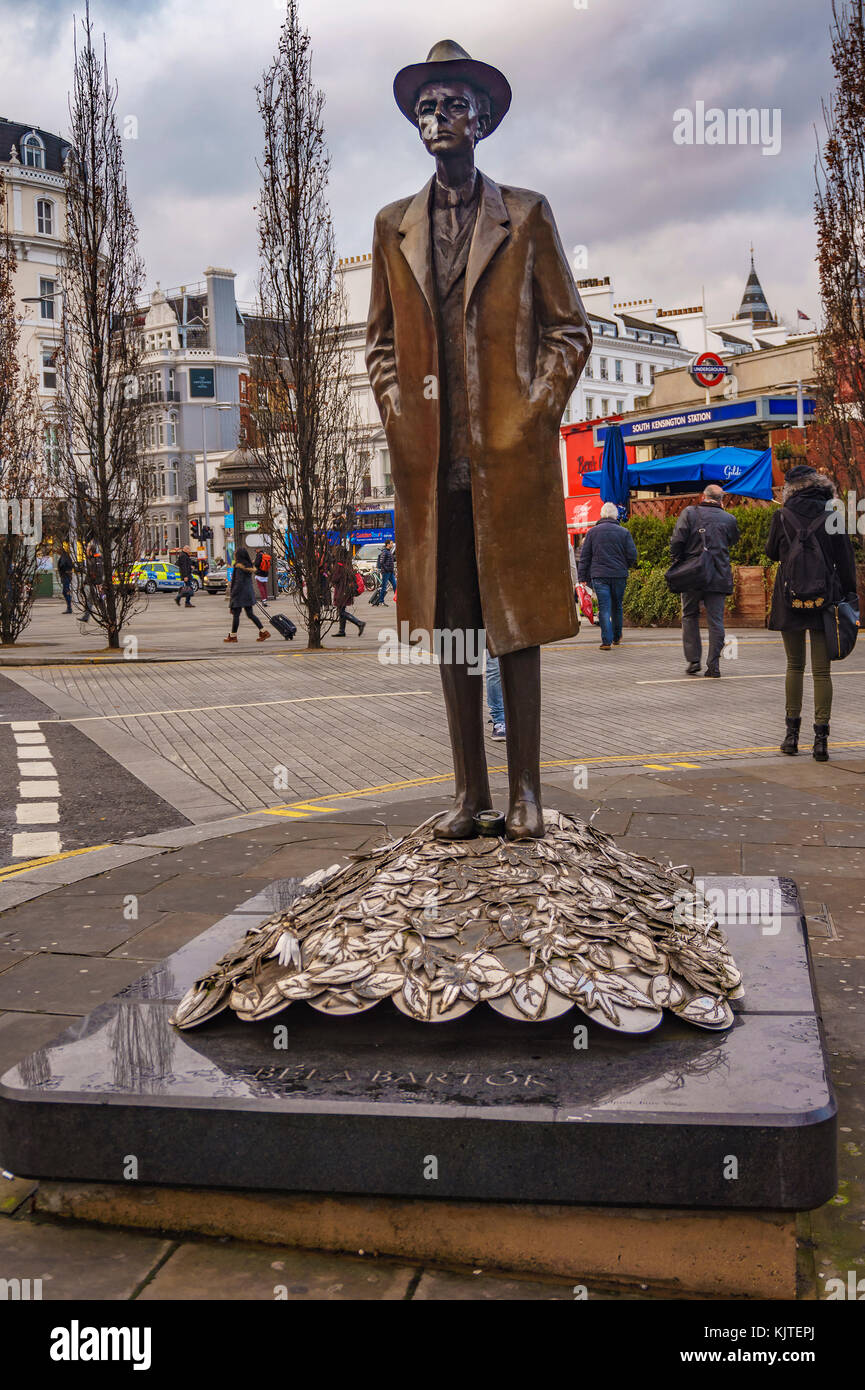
(527, 340)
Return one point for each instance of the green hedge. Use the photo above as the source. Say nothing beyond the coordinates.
(648, 602)
(652, 536)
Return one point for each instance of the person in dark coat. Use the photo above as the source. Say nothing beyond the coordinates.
(721, 532)
(241, 595)
(187, 589)
(344, 584)
(606, 555)
(66, 569)
(807, 494)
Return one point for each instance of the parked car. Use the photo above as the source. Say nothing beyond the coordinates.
(216, 581)
(151, 575)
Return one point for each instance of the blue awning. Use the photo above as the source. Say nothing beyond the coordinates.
(744, 472)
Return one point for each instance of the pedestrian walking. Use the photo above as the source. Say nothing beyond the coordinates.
(700, 546)
(495, 700)
(606, 555)
(187, 589)
(262, 570)
(66, 569)
(92, 583)
(241, 595)
(387, 571)
(343, 580)
(816, 567)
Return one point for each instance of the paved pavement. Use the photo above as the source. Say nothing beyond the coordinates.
(678, 767)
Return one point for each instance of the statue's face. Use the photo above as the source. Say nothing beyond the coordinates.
(449, 118)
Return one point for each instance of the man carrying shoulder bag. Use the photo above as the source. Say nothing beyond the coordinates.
(701, 573)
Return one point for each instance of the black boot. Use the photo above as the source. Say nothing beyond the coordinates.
(821, 734)
(791, 738)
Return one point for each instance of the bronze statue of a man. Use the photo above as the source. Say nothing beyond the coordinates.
(475, 341)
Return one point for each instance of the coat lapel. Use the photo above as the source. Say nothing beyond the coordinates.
(490, 232)
(416, 243)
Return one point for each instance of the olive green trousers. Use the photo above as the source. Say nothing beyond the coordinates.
(794, 646)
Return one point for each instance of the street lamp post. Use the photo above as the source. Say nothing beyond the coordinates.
(214, 405)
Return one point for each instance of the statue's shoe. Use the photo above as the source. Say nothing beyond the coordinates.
(457, 824)
(524, 821)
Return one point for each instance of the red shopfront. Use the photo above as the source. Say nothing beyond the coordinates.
(582, 455)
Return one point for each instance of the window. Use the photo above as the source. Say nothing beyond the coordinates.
(46, 295)
(591, 371)
(172, 430)
(44, 217)
(49, 369)
(620, 407)
(638, 369)
(605, 372)
(171, 488)
(33, 150)
(590, 407)
(605, 405)
(651, 374)
(51, 450)
(620, 371)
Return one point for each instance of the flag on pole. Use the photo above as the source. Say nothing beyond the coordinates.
(806, 317)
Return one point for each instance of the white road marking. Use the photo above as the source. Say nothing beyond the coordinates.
(38, 793)
(38, 787)
(34, 844)
(38, 813)
(249, 704)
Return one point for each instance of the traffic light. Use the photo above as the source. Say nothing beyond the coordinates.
(206, 533)
(193, 530)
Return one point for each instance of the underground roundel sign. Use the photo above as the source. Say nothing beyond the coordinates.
(708, 369)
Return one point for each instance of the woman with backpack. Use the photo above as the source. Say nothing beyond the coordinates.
(344, 581)
(241, 595)
(816, 567)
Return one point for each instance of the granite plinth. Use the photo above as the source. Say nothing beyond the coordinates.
(508, 1111)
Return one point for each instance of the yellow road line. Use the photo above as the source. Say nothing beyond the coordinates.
(12, 870)
(767, 676)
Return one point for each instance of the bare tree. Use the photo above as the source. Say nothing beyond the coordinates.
(22, 481)
(102, 277)
(840, 215)
(305, 427)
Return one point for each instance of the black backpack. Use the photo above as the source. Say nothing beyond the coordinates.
(807, 575)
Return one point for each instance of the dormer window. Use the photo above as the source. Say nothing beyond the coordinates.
(33, 151)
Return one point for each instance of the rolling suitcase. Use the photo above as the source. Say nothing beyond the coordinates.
(283, 625)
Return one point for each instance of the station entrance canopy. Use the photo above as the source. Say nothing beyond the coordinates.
(745, 472)
(766, 412)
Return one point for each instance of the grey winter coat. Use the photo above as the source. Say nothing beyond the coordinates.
(721, 532)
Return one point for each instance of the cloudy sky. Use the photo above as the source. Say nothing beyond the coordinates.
(596, 84)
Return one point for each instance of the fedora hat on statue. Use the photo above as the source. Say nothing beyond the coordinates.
(447, 61)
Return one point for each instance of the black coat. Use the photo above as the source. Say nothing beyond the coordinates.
(241, 594)
(184, 564)
(608, 552)
(721, 532)
(808, 502)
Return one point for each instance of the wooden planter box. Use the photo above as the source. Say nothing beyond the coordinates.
(749, 609)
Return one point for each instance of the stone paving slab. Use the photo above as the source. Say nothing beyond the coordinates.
(76, 1262)
(59, 984)
(211, 1272)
